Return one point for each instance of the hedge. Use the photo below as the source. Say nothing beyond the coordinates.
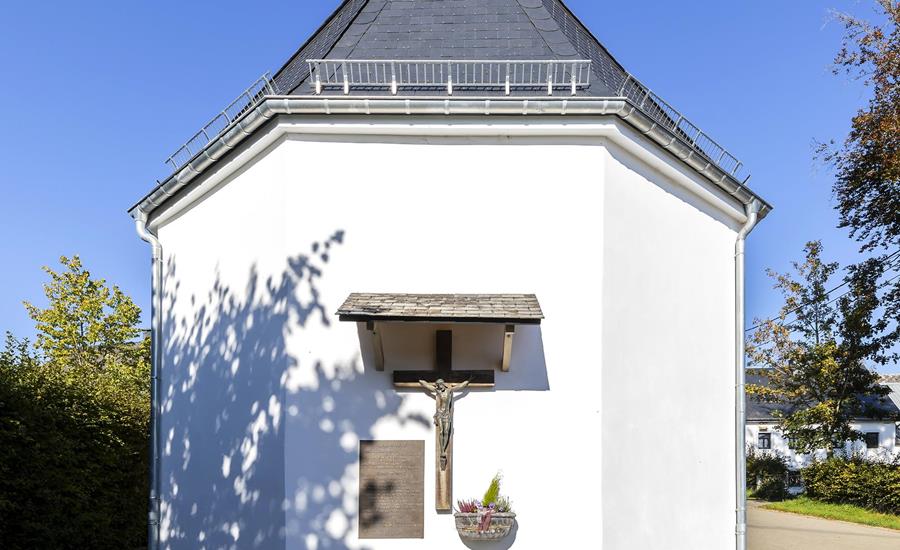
(766, 475)
(73, 459)
(855, 480)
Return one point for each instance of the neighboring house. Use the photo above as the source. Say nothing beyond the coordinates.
(881, 429)
(445, 147)
(892, 381)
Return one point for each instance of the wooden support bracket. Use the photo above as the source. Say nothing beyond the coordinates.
(507, 347)
(376, 345)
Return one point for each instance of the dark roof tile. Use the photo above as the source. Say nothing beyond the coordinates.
(759, 411)
(460, 29)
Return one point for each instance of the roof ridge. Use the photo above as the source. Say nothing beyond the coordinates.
(591, 47)
(295, 70)
(529, 9)
(384, 3)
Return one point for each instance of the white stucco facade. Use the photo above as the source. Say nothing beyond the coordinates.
(888, 444)
(266, 395)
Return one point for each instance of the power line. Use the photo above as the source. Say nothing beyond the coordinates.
(833, 300)
(808, 302)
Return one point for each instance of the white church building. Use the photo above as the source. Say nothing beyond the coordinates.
(472, 192)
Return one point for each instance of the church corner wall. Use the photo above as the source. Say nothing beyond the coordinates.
(668, 332)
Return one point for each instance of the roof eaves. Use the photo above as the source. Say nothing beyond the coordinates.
(270, 107)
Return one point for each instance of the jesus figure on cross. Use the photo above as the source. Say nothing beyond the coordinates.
(443, 416)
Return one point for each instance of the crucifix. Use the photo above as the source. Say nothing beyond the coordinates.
(441, 383)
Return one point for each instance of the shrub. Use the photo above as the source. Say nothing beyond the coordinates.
(766, 475)
(74, 413)
(872, 484)
(73, 456)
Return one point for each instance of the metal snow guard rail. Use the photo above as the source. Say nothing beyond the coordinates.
(248, 99)
(506, 74)
(671, 119)
(393, 74)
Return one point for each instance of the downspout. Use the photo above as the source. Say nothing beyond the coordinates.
(752, 210)
(153, 516)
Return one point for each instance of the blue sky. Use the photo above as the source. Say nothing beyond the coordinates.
(95, 96)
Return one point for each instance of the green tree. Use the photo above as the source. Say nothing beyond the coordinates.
(867, 163)
(818, 350)
(86, 323)
(73, 421)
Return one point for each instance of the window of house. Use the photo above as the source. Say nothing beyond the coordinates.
(794, 479)
(872, 440)
(765, 441)
(897, 435)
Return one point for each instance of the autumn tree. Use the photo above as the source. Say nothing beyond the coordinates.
(867, 163)
(818, 352)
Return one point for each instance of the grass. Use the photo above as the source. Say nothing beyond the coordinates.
(843, 512)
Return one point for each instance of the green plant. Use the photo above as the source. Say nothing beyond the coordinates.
(492, 501)
(503, 505)
(871, 484)
(73, 421)
(493, 492)
(766, 475)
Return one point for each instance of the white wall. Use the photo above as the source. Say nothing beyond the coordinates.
(888, 446)
(267, 394)
(668, 292)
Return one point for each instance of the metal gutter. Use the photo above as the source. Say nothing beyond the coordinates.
(272, 106)
(740, 404)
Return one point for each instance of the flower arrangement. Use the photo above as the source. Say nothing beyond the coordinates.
(489, 518)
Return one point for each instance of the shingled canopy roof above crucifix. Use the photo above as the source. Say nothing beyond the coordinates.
(453, 308)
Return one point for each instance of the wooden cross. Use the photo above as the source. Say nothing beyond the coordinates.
(442, 381)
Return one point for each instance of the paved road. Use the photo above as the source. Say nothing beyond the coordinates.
(769, 530)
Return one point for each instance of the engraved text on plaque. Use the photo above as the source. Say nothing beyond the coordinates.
(391, 489)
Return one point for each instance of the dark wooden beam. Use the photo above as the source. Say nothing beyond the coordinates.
(443, 362)
(443, 351)
(410, 378)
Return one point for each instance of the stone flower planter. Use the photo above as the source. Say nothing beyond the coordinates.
(467, 526)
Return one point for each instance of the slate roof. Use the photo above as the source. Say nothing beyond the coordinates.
(758, 411)
(501, 308)
(453, 29)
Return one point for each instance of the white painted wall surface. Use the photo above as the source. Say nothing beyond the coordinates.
(668, 326)
(888, 446)
(267, 395)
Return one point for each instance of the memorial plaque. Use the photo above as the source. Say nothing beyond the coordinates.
(391, 489)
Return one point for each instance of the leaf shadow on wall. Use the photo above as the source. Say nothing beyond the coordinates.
(227, 407)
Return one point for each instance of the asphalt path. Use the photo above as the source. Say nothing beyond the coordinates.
(771, 530)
